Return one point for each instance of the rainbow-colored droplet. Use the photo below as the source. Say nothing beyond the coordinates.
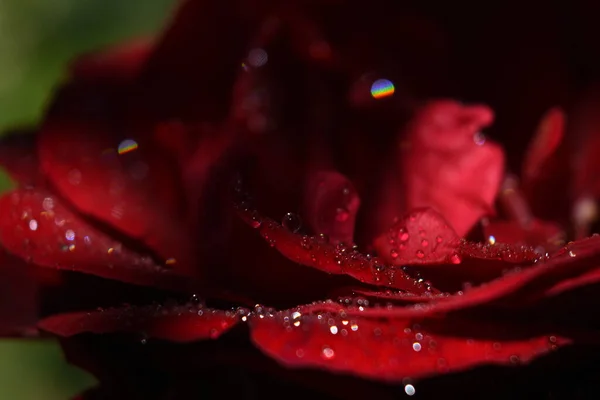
(382, 88)
(127, 146)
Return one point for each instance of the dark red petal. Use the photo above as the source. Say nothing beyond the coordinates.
(114, 173)
(547, 138)
(421, 237)
(122, 62)
(447, 167)
(547, 235)
(196, 82)
(331, 204)
(37, 226)
(179, 324)
(318, 253)
(388, 350)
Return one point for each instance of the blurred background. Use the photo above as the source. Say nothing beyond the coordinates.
(37, 39)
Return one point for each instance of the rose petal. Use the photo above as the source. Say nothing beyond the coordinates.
(122, 62)
(422, 237)
(37, 226)
(108, 170)
(447, 167)
(198, 84)
(318, 253)
(544, 144)
(331, 204)
(179, 324)
(387, 350)
(539, 233)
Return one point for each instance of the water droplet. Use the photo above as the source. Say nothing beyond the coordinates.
(492, 240)
(479, 139)
(342, 215)
(48, 203)
(257, 57)
(416, 346)
(33, 225)
(70, 234)
(424, 243)
(403, 236)
(572, 254)
(419, 336)
(327, 353)
(409, 390)
(420, 254)
(394, 253)
(74, 177)
(127, 146)
(455, 259)
(382, 88)
(333, 329)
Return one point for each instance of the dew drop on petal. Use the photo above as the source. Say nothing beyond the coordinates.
(342, 215)
(420, 254)
(327, 353)
(403, 236)
(291, 222)
(409, 390)
(382, 88)
(33, 225)
(416, 346)
(424, 243)
(394, 253)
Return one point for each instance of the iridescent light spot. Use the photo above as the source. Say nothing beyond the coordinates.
(127, 146)
(492, 240)
(70, 235)
(409, 390)
(382, 88)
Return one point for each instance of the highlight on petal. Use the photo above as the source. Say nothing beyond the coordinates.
(421, 237)
(387, 349)
(317, 252)
(449, 166)
(546, 141)
(539, 234)
(118, 177)
(37, 226)
(184, 323)
(331, 204)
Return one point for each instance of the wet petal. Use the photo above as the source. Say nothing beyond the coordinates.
(113, 172)
(546, 235)
(448, 167)
(421, 237)
(176, 323)
(37, 226)
(317, 252)
(198, 84)
(331, 204)
(388, 350)
(544, 144)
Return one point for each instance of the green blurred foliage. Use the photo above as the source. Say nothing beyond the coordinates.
(37, 40)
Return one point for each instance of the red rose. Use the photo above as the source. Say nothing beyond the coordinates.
(149, 205)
